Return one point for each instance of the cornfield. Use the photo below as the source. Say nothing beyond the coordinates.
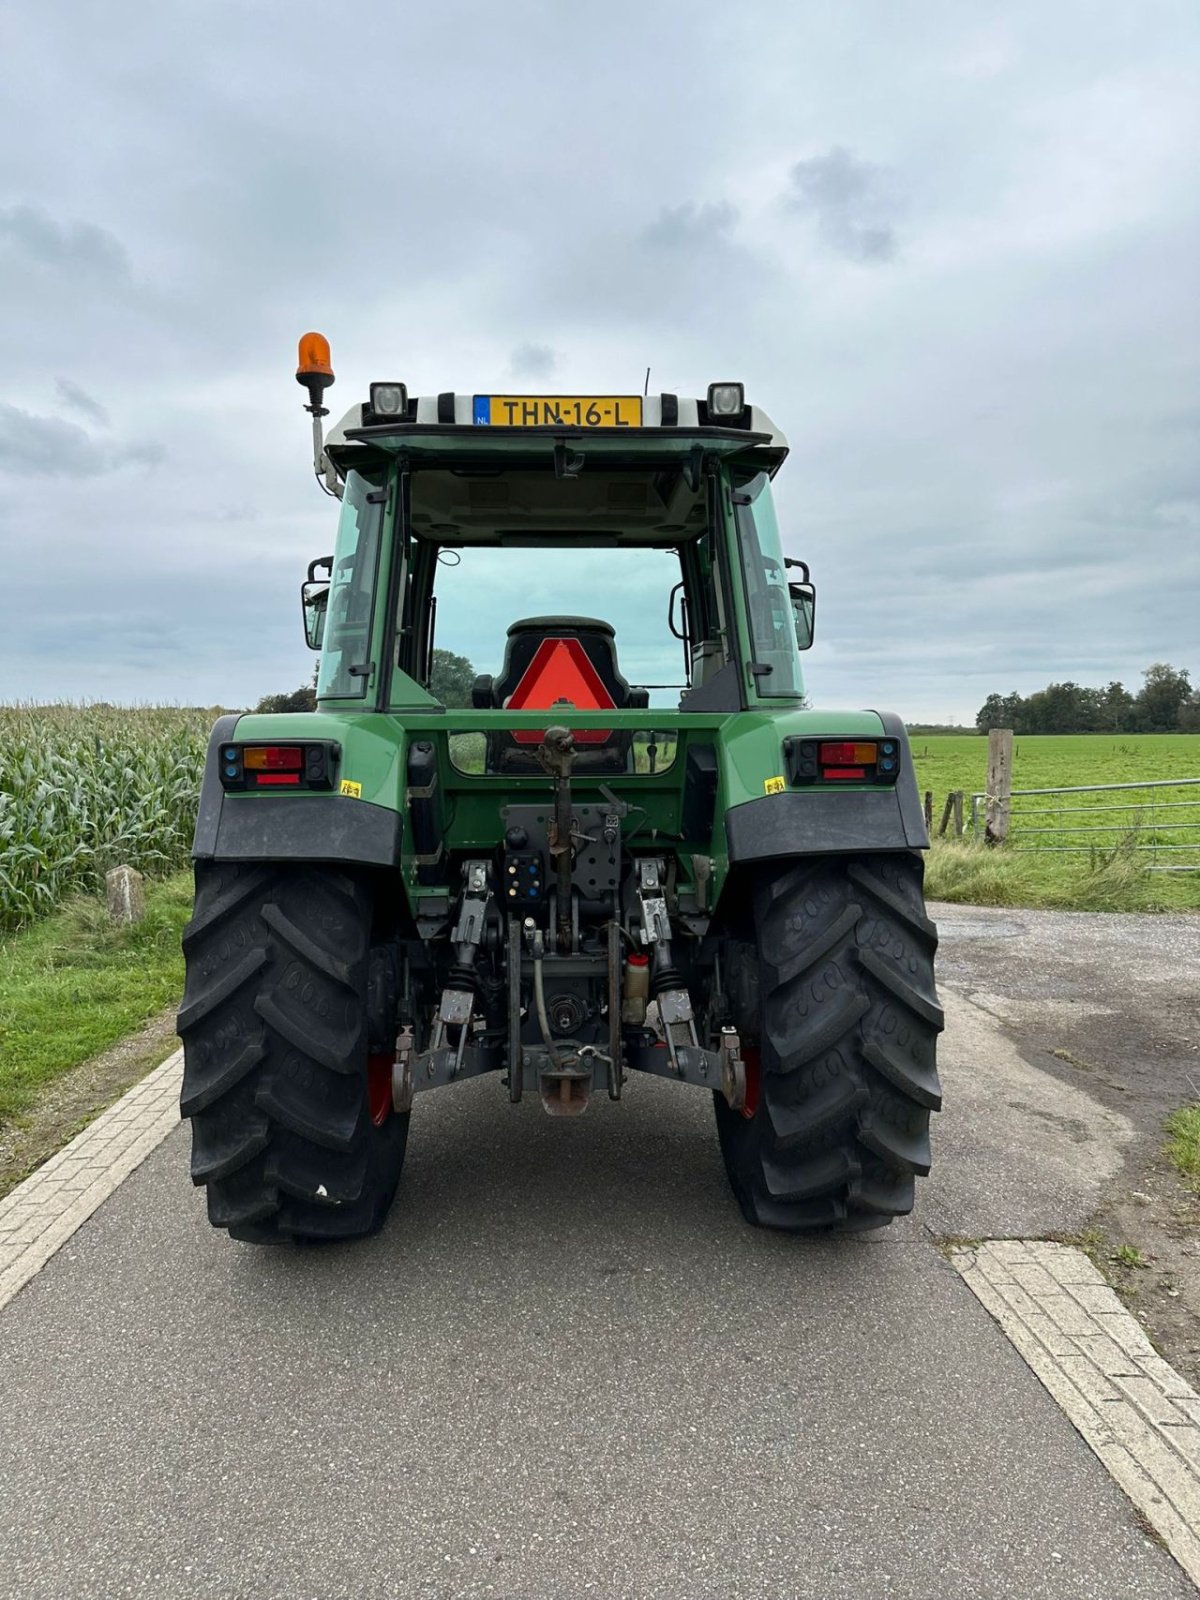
(86, 788)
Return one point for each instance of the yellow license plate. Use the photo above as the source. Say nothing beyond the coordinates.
(557, 411)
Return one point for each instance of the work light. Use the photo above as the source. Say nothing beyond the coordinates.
(389, 399)
(726, 400)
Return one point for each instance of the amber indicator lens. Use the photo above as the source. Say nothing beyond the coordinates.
(847, 755)
(272, 758)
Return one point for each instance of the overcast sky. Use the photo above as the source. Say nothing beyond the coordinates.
(953, 248)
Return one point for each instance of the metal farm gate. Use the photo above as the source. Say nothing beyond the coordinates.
(1159, 819)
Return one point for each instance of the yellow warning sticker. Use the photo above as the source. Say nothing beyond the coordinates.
(774, 785)
(348, 786)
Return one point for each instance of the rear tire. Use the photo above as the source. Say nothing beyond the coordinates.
(276, 1079)
(844, 1076)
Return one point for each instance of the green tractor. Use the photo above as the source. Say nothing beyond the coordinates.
(636, 851)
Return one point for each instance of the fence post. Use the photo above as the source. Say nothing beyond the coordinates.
(952, 809)
(929, 811)
(999, 784)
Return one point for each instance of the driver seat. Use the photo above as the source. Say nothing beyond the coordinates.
(524, 639)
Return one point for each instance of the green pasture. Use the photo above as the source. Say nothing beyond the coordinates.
(1106, 865)
(946, 761)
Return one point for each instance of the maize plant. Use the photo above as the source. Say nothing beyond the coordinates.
(86, 788)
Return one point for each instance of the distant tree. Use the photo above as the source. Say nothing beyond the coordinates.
(451, 678)
(1002, 711)
(1158, 703)
(1060, 708)
(1115, 708)
(991, 714)
(1189, 713)
(304, 699)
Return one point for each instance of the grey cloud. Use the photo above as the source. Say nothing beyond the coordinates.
(77, 399)
(30, 232)
(47, 446)
(852, 200)
(51, 448)
(150, 453)
(534, 360)
(689, 225)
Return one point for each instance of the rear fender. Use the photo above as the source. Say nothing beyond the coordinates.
(831, 821)
(362, 828)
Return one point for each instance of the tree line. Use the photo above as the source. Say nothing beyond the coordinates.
(1166, 703)
(450, 683)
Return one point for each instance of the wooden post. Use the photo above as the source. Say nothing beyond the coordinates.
(126, 894)
(947, 813)
(958, 813)
(929, 811)
(999, 785)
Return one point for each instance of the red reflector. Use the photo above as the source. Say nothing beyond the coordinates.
(278, 777)
(272, 758)
(561, 670)
(844, 772)
(847, 755)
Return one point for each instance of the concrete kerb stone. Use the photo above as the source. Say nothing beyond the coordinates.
(1131, 1407)
(41, 1214)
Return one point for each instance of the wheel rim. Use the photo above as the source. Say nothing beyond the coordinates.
(750, 1061)
(379, 1089)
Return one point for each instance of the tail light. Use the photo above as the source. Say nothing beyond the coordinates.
(874, 761)
(278, 766)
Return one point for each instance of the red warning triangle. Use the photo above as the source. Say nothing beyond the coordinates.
(561, 672)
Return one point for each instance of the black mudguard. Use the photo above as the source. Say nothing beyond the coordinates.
(827, 821)
(276, 827)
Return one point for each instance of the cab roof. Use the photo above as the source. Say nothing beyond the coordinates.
(444, 427)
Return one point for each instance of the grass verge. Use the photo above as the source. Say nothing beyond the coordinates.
(75, 983)
(1183, 1145)
(974, 874)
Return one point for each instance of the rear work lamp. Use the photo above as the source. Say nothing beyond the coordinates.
(874, 761)
(727, 400)
(278, 766)
(389, 399)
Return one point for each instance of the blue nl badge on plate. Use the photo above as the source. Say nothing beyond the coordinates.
(483, 410)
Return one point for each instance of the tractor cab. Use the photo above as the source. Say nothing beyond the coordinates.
(650, 548)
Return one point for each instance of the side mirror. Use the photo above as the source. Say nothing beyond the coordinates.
(804, 612)
(314, 597)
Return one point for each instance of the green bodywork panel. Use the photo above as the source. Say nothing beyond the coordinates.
(374, 753)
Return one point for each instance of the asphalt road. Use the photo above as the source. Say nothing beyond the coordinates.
(568, 1368)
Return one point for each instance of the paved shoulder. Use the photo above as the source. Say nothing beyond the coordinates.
(565, 1367)
(42, 1213)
